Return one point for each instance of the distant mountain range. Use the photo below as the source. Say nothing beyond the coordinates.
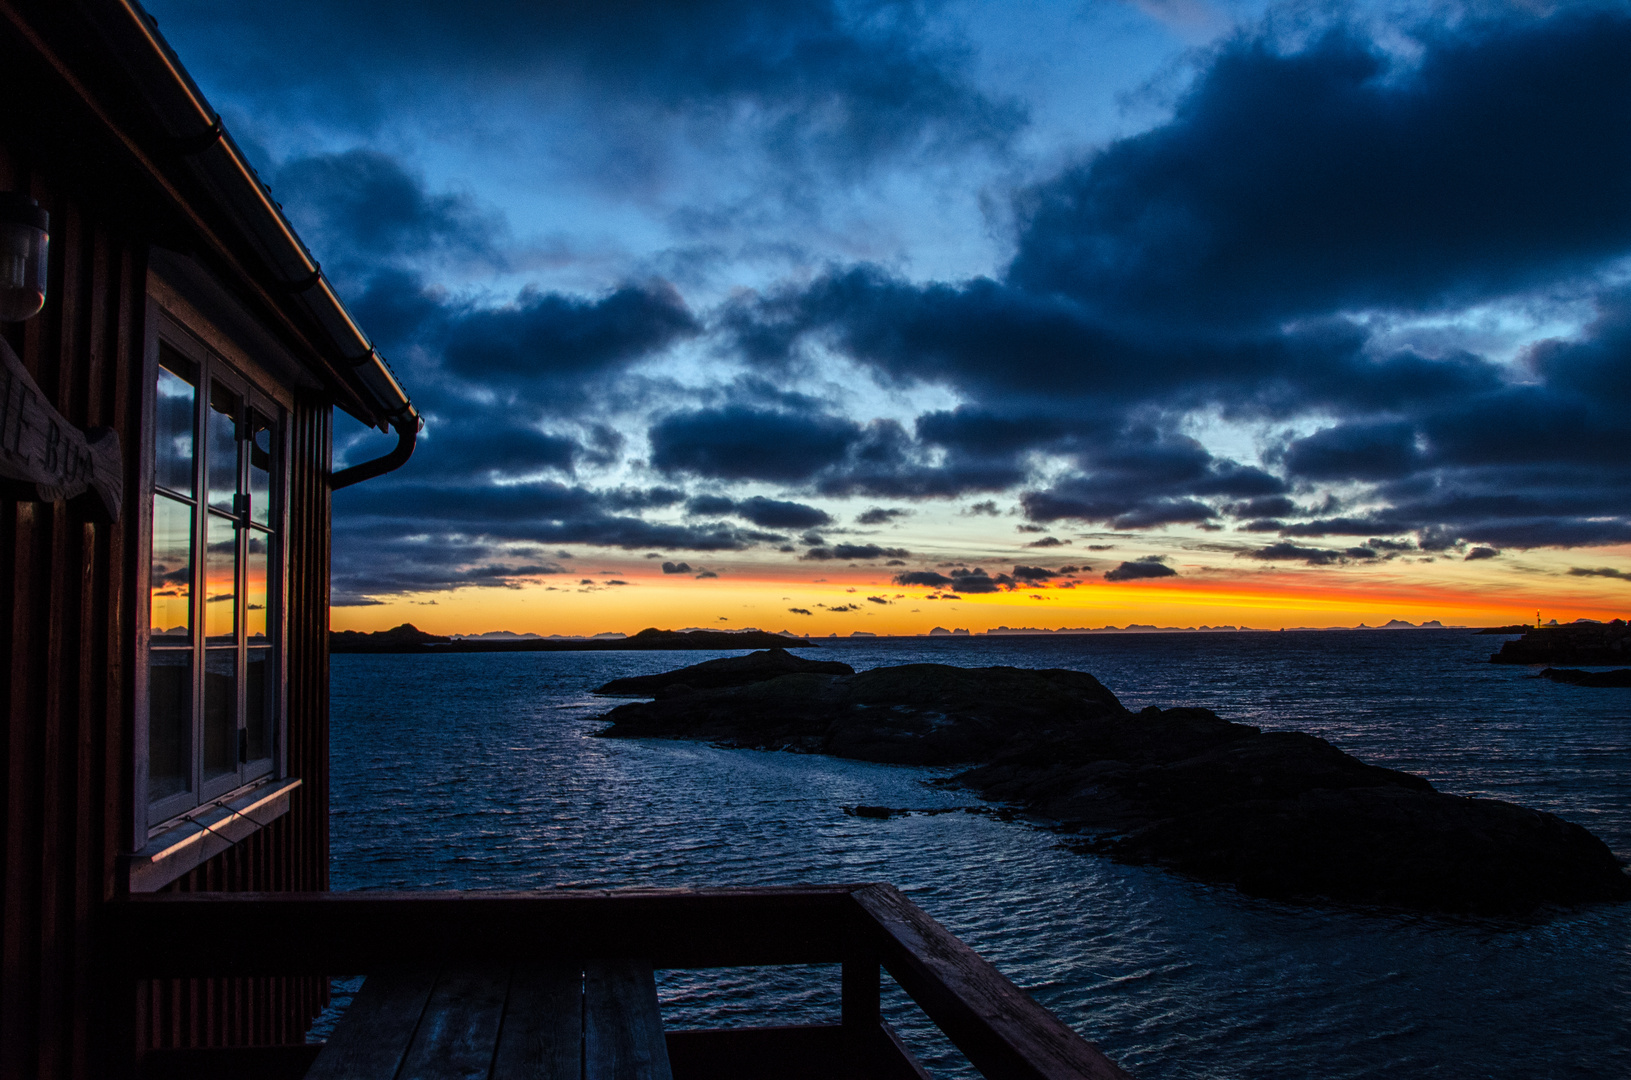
(408, 638)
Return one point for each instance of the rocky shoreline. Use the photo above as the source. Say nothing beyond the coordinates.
(1283, 815)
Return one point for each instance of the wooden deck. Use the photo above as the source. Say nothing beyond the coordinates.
(491, 984)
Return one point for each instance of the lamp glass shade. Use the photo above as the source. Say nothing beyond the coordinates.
(23, 257)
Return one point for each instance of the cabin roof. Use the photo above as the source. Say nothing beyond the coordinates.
(110, 55)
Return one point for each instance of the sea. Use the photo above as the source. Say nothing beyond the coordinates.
(483, 771)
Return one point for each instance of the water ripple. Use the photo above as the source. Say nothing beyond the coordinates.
(478, 771)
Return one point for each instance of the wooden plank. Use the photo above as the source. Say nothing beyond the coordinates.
(372, 1038)
(1001, 1029)
(622, 1025)
(458, 1032)
(542, 1037)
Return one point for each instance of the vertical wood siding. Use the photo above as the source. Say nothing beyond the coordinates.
(67, 596)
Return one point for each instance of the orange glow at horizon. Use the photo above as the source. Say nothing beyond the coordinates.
(627, 596)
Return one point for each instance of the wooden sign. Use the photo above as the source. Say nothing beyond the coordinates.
(45, 456)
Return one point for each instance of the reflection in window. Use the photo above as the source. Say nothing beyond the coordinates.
(255, 588)
(221, 455)
(169, 723)
(260, 710)
(220, 712)
(220, 580)
(260, 470)
(173, 426)
(172, 570)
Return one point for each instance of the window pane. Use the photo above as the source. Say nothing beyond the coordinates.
(173, 422)
(260, 469)
(221, 581)
(220, 712)
(169, 722)
(255, 568)
(221, 452)
(260, 707)
(172, 570)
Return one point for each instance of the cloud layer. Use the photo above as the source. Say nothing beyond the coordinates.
(1306, 253)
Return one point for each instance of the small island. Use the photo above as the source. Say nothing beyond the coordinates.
(1276, 814)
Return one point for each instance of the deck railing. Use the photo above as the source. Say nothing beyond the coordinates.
(865, 928)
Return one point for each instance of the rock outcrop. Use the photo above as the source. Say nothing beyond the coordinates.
(1572, 643)
(726, 671)
(917, 714)
(1276, 814)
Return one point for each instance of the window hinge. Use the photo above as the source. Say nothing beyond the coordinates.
(243, 746)
(240, 505)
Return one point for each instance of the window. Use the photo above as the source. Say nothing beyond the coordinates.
(214, 716)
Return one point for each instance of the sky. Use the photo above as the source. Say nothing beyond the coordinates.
(873, 316)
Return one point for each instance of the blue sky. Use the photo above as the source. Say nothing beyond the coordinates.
(1300, 299)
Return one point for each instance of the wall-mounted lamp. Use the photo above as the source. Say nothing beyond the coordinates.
(24, 236)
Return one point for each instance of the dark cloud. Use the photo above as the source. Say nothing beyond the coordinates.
(552, 337)
(824, 83)
(1047, 542)
(854, 552)
(1599, 571)
(776, 514)
(961, 579)
(1213, 263)
(1354, 452)
(676, 568)
(710, 505)
(877, 600)
(771, 513)
(706, 574)
(1289, 552)
(799, 610)
(1336, 177)
(1481, 553)
(1032, 575)
(926, 578)
(395, 566)
(363, 208)
(405, 536)
(1226, 262)
(741, 443)
(978, 581)
(1140, 569)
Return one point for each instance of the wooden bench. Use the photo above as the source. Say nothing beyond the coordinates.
(595, 1021)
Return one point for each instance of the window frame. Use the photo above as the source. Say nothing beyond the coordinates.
(215, 358)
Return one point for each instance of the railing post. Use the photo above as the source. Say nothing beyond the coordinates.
(862, 990)
(859, 1001)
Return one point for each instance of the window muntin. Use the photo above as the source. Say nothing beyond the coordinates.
(213, 668)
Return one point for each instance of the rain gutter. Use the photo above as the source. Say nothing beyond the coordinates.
(198, 137)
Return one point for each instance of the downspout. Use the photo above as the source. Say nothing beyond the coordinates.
(197, 135)
(407, 432)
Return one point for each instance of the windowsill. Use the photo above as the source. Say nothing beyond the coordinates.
(191, 842)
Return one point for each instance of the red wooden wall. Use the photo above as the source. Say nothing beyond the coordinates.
(68, 587)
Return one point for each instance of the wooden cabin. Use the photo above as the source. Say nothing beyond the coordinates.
(166, 412)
